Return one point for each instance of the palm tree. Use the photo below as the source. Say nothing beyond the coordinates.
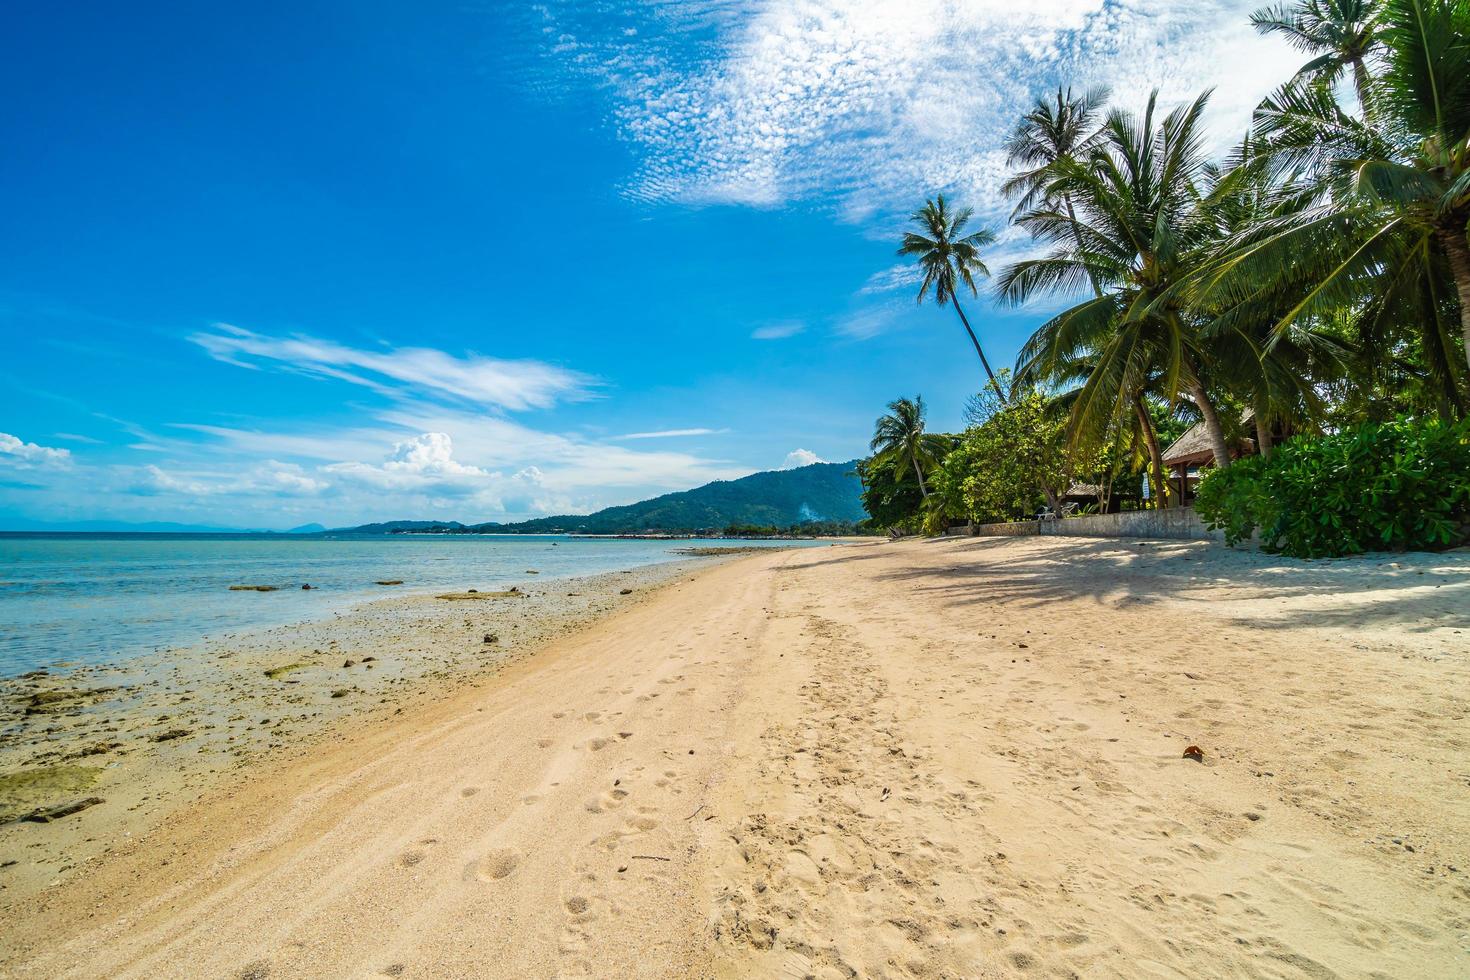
(1342, 34)
(1382, 227)
(1277, 376)
(950, 258)
(1054, 130)
(1057, 130)
(899, 438)
(1139, 228)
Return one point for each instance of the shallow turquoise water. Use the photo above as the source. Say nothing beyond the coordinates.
(92, 598)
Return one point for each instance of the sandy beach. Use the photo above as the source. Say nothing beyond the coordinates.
(951, 758)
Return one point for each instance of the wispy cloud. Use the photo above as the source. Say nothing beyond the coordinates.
(778, 331)
(868, 104)
(401, 371)
(673, 433)
(906, 276)
(269, 478)
(864, 324)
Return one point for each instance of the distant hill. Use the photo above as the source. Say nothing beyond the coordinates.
(398, 527)
(779, 498)
(95, 527)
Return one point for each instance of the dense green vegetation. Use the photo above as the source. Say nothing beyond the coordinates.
(1395, 485)
(823, 498)
(1312, 281)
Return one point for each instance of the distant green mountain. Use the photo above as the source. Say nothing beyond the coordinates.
(780, 498)
(399, 527)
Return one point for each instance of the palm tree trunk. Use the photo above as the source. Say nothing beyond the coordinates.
(1457, 250)
(919, 473)
(1155, 457)
(1211, 422)
(976, 341)
(1361, 87)
(1263, 436)
(1077, 237)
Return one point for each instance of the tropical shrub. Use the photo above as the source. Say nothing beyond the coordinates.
(1400, 485)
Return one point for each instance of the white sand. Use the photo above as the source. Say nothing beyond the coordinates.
(957, 758)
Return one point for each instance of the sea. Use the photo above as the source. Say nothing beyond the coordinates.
(88, 598)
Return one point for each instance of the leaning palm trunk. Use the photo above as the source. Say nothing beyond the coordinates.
(1155, 457)
(1457, 250)
(1211, 420)
(919, 473)
(1263, 435)
(1362, 87)
(1077, 237)
(984, 362)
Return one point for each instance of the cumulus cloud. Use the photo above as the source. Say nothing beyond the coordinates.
(867, 103)
(800, 457)
(29, 455)
(425, 460)
(398, 371)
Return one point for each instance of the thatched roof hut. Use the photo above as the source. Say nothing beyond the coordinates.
(1193, 449)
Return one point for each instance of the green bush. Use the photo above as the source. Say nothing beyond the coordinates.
(1401, 485)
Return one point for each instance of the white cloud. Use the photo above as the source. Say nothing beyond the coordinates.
(867, 323)
(778, 331)
(673, 433)
(906, 276)
(425, 460)
(800, 457)
(28, 455)
(869, 105)
(271, 478)
(400, 371)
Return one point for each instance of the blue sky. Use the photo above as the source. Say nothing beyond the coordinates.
(269, 264)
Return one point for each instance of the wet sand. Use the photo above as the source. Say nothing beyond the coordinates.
(147, 734)
(943, 759)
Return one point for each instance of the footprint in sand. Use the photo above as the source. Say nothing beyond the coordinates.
(258, 970)
(599, 743)
(497, 864)
(469, 791)
(409, 858)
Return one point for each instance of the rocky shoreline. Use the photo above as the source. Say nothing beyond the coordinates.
(94, 755)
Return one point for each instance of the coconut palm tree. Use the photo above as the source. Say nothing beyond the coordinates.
(1053, 131)
(899, 438)
(1341, 34)
(1063, 128)
(1385, 201)
(1139, 228)
(950, 259)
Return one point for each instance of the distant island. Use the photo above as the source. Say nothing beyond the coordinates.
(820, 499)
